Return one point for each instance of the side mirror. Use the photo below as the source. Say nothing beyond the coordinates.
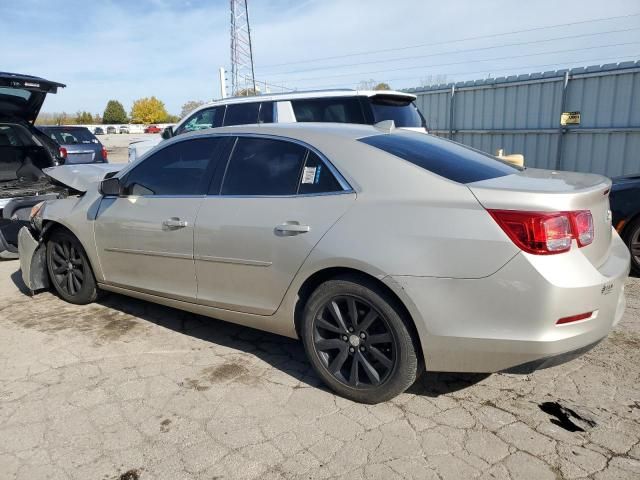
(167, 133)
(111, 187)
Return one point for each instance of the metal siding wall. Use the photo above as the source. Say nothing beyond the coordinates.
(607, 97)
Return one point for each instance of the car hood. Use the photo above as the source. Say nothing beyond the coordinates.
(22, 96)
(81, 177)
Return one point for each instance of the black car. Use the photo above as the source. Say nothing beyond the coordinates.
(78, 143)
(24, 152)
(98, 131)
(625, 209)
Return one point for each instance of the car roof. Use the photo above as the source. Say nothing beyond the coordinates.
(281, 97)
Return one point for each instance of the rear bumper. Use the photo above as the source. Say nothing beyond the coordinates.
(509, 319)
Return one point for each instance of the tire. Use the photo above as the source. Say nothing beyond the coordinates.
(69, 269)
(632, 239)
(379, 342)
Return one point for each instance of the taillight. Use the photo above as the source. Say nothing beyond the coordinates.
(583, 227)
(104, 154)
(545, 233)
(574, 318)
(63, 152)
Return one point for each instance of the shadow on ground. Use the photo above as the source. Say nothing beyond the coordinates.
(282, 353)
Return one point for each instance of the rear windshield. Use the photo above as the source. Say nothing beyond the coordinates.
(442, 157)
(403, 112)
(16, 92)
(70, 136)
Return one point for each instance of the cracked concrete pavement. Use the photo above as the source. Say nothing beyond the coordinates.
(125, 389)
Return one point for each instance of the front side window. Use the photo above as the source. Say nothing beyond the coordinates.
(339, 110)
(264, 166)
(208, 118)
(182, 168)
(242, 114)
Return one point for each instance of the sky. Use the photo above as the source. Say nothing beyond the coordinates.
(125, 50)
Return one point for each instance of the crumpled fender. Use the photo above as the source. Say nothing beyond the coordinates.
(33, 261)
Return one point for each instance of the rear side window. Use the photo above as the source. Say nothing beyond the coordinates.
(340, 110)
(242, 114)
(316, 177)
(442, 157)
(403, 113)
(266, 112)
(262, 166)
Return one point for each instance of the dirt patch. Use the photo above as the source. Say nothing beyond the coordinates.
(46, 314)
(219, 374)
(130, 475)
(567, 418)
(625, 340)
(164, 425)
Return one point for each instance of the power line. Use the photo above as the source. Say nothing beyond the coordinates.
(509, 57)
(464, 39)
(592, 61)
(453, 52)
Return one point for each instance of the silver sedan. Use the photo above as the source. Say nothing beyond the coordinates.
(385, 251)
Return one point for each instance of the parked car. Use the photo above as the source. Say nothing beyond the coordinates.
(98, 131)
(111, 130)
(625, 208)
(343, 106)
(152, 129)
(382, 249)
(124, 129)
(79, 145)
(24, 152)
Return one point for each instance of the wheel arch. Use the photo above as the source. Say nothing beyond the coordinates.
(404, 305)
(50, 226)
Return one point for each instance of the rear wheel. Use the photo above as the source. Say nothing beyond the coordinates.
(358, 342)
(69, 269)
(632, 239)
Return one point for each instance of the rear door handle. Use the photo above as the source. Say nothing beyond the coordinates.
(291, 228)
(173, 223)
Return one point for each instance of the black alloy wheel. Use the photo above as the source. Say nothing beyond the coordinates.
(354, 342)
(633, 242)
(359, 340)
(69, 269)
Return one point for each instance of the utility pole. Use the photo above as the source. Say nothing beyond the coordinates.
(242, 72)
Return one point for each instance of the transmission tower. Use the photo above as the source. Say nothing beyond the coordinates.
(242, 74)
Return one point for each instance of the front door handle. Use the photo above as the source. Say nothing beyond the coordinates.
(173, 223)
(292, 228)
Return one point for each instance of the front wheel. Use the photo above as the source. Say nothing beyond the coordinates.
(69, 269)
(358, 342)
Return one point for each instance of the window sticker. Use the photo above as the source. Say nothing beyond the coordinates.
(316, 180)
(309, 174)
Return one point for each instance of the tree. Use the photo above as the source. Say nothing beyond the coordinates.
(382, 86)
(84, 118)
(148, 110)
(189, 107)
(172, 119)
(114, 113)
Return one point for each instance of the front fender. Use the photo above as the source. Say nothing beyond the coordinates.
(33, 261)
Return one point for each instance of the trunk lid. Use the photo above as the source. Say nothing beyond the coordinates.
(22, 96)
(551, 191)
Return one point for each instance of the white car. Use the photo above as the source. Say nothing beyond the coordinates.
(337, 106)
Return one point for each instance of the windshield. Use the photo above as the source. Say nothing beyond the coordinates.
(403, 112)
(70, 136)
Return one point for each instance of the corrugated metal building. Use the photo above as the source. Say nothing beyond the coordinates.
(522, 114)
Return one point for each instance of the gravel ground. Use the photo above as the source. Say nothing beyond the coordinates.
(124, 389)
(117, 144)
